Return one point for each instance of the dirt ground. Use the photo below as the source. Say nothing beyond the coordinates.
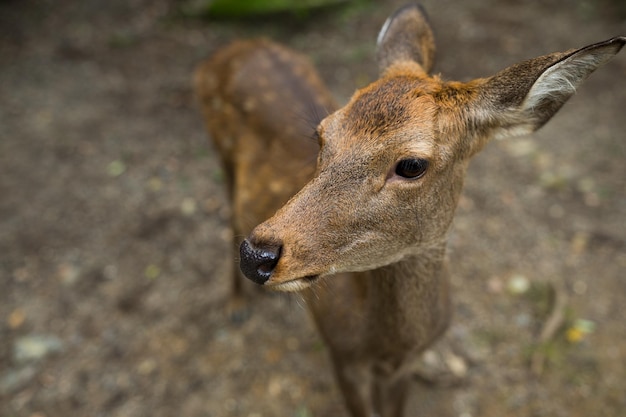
(115, 253)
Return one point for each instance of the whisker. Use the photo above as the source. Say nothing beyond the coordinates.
(310, 113)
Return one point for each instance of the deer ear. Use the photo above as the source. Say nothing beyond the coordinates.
(523, 97)
(406, 36)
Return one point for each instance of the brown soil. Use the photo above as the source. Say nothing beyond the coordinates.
(114, 247)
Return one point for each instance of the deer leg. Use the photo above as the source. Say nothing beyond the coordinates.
(355, 383)
(237, 308)
(393, 396)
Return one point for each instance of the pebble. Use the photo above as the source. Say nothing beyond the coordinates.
(456, 365)
(579, 243)
(155, 184)
(152, 271)
(431, 359)
(116, 168)
(522, 147)
(147, 367)
(16, 318)
(13, 380)
(275, 386)
(495, 285)
(35, 347)
(522, 320)
(518, 284)
(188, 206)
(580, 287)
(68, 273)
(303, 412)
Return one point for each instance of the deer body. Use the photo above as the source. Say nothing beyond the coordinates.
(261, 103)
(376, 323)
(362, 234)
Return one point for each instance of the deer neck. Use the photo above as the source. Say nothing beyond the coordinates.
(408, 301)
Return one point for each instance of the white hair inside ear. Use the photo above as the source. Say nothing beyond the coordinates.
(563, 78)
(383, 31)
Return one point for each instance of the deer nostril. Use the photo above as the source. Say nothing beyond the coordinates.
(258, 263)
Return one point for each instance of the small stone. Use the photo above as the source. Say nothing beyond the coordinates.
(579, 243)
(522, 320)
(303, 412)
(110, 272)
(116, 168)
(155, 184)
(36, 347)
(580, 287)
(147, 367)
(431, 359)
(518, 284)
(68, 273)
(522, 147)
(13, 380)
(226, 234)
(586, 326)
(274, 387)
(456, 365)
(188, 206)
(152, 271)
(495, 286)
(16, 318)
(552, 180)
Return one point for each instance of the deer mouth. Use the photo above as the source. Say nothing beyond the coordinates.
(294, 285)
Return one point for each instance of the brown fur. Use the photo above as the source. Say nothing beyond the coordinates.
(366, 246)
(261, 103)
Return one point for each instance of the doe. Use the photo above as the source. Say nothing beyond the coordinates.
(357, 220)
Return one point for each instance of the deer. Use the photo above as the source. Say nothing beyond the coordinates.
(351, 206)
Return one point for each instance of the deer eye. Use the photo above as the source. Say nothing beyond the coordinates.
(411, 168)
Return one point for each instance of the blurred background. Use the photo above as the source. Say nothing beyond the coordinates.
(115, 254)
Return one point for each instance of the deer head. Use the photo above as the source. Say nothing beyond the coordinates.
(392, 161)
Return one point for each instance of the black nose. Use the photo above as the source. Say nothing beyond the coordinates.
(258, 263)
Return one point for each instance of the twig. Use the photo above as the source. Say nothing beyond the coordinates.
(552, 324)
